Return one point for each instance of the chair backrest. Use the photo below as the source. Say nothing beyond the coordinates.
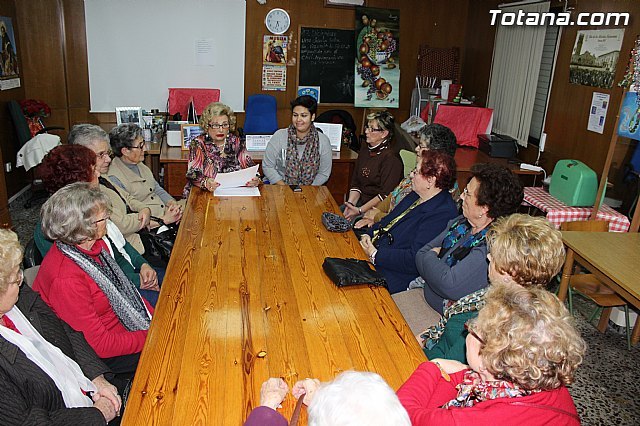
(32, 256)
(409, 160)
(19, 123)
(586, 226)
(260, 115)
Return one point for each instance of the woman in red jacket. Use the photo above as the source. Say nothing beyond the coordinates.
(84, 285)
(522, 349)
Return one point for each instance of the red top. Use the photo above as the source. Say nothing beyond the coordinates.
(78, 301)
(426, 391)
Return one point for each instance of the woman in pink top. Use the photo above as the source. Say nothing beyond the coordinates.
(84, 285)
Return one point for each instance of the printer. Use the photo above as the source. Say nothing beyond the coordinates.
(498, 146)
(574, 183)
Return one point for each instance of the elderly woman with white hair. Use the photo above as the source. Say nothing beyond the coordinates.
(523, 350)
(351, 399)
(48, 373)
(84, 285)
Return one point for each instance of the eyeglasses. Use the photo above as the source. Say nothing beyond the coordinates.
(469, 329)
(102, 220)
(20, 278)
(219, 126)
(140, 146)
(103, 154)
(372, 129)
(466, 192)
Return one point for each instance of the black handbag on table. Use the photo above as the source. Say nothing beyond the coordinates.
(345, 272)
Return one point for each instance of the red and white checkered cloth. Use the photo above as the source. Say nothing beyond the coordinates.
(558, 212)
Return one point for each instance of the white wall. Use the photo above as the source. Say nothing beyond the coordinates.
(137, 49)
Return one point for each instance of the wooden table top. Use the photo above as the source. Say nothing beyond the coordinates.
(616, 255)
(175, 154)
(246, 276)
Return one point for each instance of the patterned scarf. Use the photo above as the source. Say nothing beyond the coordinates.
(457, 231)
(123, 297)
(469, 303)
(399, 192)
(473, 390)
(302, 170)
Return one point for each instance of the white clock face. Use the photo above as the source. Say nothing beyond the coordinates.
(277, 21)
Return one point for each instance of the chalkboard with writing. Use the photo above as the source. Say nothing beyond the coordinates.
(326, 59)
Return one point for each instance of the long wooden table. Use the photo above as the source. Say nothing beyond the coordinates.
(613, 257)
(246, 276)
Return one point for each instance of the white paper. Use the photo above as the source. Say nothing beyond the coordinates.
(12, 83)
(236, 179)
(598, 112)
(205, 52)
(244, 191)
(333, 131)
(257, 142)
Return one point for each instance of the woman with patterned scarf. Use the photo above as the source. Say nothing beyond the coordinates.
(453, 265)
(523, 350)
(299, 154)
(84, 285)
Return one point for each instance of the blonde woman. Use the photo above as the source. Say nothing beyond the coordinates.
(217, 150)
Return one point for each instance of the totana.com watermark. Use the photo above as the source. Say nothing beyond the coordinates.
(498, 17)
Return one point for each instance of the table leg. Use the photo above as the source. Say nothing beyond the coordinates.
(566, 274)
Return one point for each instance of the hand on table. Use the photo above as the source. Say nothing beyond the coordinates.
(364, 222)
(254, 182)
(306, 387)
(350, 211)
(272, 392)
(210, 185)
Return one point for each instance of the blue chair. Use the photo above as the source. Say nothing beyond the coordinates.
(260, 115)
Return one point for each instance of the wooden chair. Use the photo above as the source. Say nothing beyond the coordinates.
(592, 288)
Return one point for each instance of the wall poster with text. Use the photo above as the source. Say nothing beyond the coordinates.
(595, 56)
(377, 58)
(274, 62)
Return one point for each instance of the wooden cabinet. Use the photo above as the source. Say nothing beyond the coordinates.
(174, 161)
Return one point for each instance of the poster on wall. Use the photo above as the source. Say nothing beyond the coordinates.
(630, 117)
(9, 68)
(377, 58)
(595, 57)
(274, 62)
(598, 112)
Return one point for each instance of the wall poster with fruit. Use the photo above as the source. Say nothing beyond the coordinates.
(377, 60)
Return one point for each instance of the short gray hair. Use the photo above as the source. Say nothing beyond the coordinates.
(69, 214)
(87, 134)
(357, 398)
(122, 136)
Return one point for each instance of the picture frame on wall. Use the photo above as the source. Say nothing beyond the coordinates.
(189, 132)
(344, 3)
(129, 115)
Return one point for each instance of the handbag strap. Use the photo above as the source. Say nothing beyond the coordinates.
(296, 412)
(545, 407)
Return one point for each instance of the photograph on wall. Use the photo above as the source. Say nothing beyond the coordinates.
(8, 54)
(630, 117)
(274, 50)
(377, 58)
(595, 57)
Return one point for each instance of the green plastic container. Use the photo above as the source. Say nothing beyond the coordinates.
(574, 183)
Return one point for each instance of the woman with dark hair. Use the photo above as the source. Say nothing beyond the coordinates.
(299, 154)
(392, 243)
(218, 150)
(454, 263)
(378, 169)
(67, 164)
(128, 172)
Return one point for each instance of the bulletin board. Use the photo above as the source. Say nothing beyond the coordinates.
(326, 59)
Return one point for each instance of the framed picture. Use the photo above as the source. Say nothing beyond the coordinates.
(129, 115)
(189, 131)
(344, 3)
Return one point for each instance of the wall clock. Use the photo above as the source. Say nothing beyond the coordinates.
(277, 21)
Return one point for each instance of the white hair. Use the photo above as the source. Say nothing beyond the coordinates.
(357, 398)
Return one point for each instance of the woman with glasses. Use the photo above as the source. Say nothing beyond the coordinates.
(299, 154)
(523, 350)
(218, 150)
(84, 285)
(128, 173)
(523, 250)
(48, 373)
(433, 137)
(378, 169)
(392, 243)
